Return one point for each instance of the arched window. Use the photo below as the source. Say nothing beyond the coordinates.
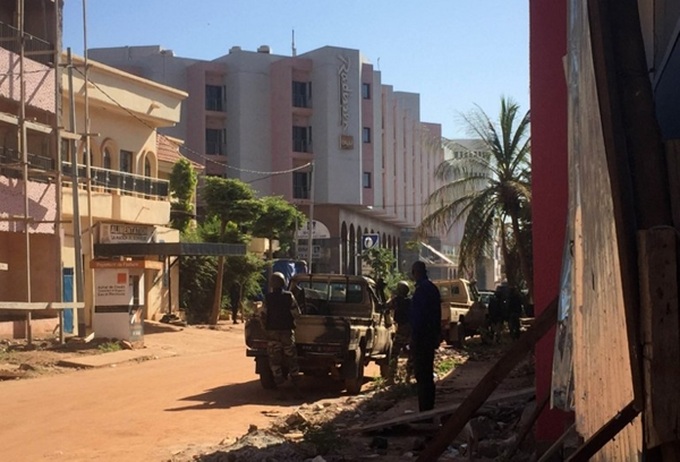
(147, 167)
(106, 159)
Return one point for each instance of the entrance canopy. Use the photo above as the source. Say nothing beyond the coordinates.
(169, 249)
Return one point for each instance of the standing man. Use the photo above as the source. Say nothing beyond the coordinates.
(279, 312)
(399, 307)
(425, 333)
(235, 300)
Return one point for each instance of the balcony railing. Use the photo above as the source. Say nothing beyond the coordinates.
(109, 180)
(214, 104)
(9, 156)
(40, 50)
(302, 145)
(300, 100)
(113, 180)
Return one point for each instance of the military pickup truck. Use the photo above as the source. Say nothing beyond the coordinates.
(342, 328)
(463, 314)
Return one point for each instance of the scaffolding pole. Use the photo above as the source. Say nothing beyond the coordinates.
(77, 245)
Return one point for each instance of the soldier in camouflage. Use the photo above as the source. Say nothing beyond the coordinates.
(399, 306)
(280, 311)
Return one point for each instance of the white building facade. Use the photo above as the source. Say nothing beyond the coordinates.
(324, 114)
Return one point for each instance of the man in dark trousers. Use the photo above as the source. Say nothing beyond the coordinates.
(399, 307)
(279, 312)
(425, 317)
(235, 300)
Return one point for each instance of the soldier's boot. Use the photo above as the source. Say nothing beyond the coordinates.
(295, 380)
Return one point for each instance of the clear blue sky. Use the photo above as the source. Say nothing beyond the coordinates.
(454, 53)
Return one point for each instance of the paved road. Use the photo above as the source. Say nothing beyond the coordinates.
(138, 411)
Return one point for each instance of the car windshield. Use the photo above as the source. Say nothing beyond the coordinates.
(339, 292)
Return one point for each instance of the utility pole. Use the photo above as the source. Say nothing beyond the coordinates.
(310, 238)
(88, 166)
(77, 246)
(23, 145)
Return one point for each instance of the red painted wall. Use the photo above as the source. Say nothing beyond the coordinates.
(548, 46)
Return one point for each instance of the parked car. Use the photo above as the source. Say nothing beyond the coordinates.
(463, 314)
(485, 296)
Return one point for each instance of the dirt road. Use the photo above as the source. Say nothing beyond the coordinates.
(140, 411)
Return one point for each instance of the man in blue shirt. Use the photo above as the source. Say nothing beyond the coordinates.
(425, 317)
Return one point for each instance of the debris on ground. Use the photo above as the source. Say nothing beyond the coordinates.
(324, 431)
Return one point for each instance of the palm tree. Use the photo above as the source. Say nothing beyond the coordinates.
(490, 189)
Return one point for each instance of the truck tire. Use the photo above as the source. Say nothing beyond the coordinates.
(457, 335)
(266, 375)
(385, 364)
(354, 384)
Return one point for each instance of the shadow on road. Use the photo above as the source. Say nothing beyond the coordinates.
(248, 393)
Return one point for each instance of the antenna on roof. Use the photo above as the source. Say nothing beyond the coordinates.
(378, 63)
(293, 44)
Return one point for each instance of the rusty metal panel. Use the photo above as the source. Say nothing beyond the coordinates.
(603, 382)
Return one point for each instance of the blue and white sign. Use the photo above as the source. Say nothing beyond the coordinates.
(370, 240)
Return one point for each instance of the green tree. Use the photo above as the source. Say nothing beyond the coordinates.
(383, 265)
(490, 190)
(233, 203)
(183, 182)
(277, 221)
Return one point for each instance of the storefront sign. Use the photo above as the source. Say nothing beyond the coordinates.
(319, 231)
(346, 142)
(119, 233)
(112, 287)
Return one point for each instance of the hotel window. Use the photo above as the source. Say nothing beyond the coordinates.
(126, 161)
(367, 180)
(366, 90)
(366, 137)
(301, 185)
(302, 139)
(214, 141)
(302, 94)
(214, 98)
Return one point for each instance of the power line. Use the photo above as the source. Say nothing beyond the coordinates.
(267, 174)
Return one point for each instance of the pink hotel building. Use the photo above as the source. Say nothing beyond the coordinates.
(250, 113)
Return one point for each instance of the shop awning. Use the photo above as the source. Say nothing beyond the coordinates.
(169, 249)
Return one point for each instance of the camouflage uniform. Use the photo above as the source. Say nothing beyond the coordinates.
(400, 305)
(280, 310)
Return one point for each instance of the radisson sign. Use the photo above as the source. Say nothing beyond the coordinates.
(346, 140)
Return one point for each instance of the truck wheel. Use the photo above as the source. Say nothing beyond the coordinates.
(266, 375)
(385, 364)
(354, 384)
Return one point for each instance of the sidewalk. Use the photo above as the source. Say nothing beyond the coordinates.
(163, 341)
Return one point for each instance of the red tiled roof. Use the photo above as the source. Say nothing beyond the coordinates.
(168, 151)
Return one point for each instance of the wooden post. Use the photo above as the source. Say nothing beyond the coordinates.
(605, 433)
(660, 322)
(489, 382)
(673, 165)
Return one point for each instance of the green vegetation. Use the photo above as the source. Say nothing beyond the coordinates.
(183, 180)
(445, 366)
(234, 215)
(109, 347)
(383, 266)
